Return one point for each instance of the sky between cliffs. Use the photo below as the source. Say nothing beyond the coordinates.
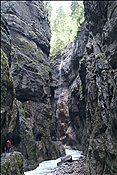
(64, 22)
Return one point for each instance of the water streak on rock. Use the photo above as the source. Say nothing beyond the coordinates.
(60, 80)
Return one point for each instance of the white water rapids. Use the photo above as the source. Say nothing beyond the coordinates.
(48, 167)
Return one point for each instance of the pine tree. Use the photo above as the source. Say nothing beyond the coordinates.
(77, 12)
(64, 25)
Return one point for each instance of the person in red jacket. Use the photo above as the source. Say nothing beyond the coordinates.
(8, 146)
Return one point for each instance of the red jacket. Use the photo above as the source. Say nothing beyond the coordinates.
(8, 144)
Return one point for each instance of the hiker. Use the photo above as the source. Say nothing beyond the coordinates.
(52, 138)
(8, 146)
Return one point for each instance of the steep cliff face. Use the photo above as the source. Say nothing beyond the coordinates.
(88, 82)
(70, 91)
(101, 79)
(7, 85)
(25, 41)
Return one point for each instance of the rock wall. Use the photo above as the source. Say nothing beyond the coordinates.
(88, 75)
(101, 79)
(26, 107)
(70, 93)
(7, 85)
(12, 164)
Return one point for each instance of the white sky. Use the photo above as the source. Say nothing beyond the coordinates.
(65, 4)
(55, 4)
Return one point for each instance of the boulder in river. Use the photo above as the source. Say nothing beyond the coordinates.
(67, 158)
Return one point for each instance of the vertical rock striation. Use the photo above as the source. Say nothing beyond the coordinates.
(89, 75)
(7, 85)
(101, 79)
(25, 41)
(73, 90)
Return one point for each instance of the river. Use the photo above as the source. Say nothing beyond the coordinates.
(48, 167)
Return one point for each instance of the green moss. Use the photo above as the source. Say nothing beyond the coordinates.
(21, 110)
(12, 164)
(55, 148)
(15, 58)
(19, 158)
(5, 67)
(80, 90)
(29, 146)
(45, 109)
(7, 79)
(24, 45)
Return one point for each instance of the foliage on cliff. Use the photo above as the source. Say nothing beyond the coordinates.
(64, 23)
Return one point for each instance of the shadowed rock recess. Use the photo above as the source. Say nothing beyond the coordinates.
(25, 78)
(70, 97)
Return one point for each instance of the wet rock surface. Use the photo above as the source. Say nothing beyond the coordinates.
(89, 76)
(12, 163)
(67, 158)
(26, 106)
(101, 115)
(75, 167)
(7, 88)
(70, 92)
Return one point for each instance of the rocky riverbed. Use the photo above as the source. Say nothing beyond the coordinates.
(74, 167)
(72, 163)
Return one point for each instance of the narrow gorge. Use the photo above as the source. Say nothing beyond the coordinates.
(49, 103)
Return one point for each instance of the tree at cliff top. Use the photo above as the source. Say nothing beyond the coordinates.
(64, 23)
(77, 12)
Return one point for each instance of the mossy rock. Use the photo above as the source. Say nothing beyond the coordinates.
(7, 80)
(7, 95)
(12, 164)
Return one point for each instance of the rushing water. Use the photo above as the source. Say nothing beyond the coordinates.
(48, 167)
